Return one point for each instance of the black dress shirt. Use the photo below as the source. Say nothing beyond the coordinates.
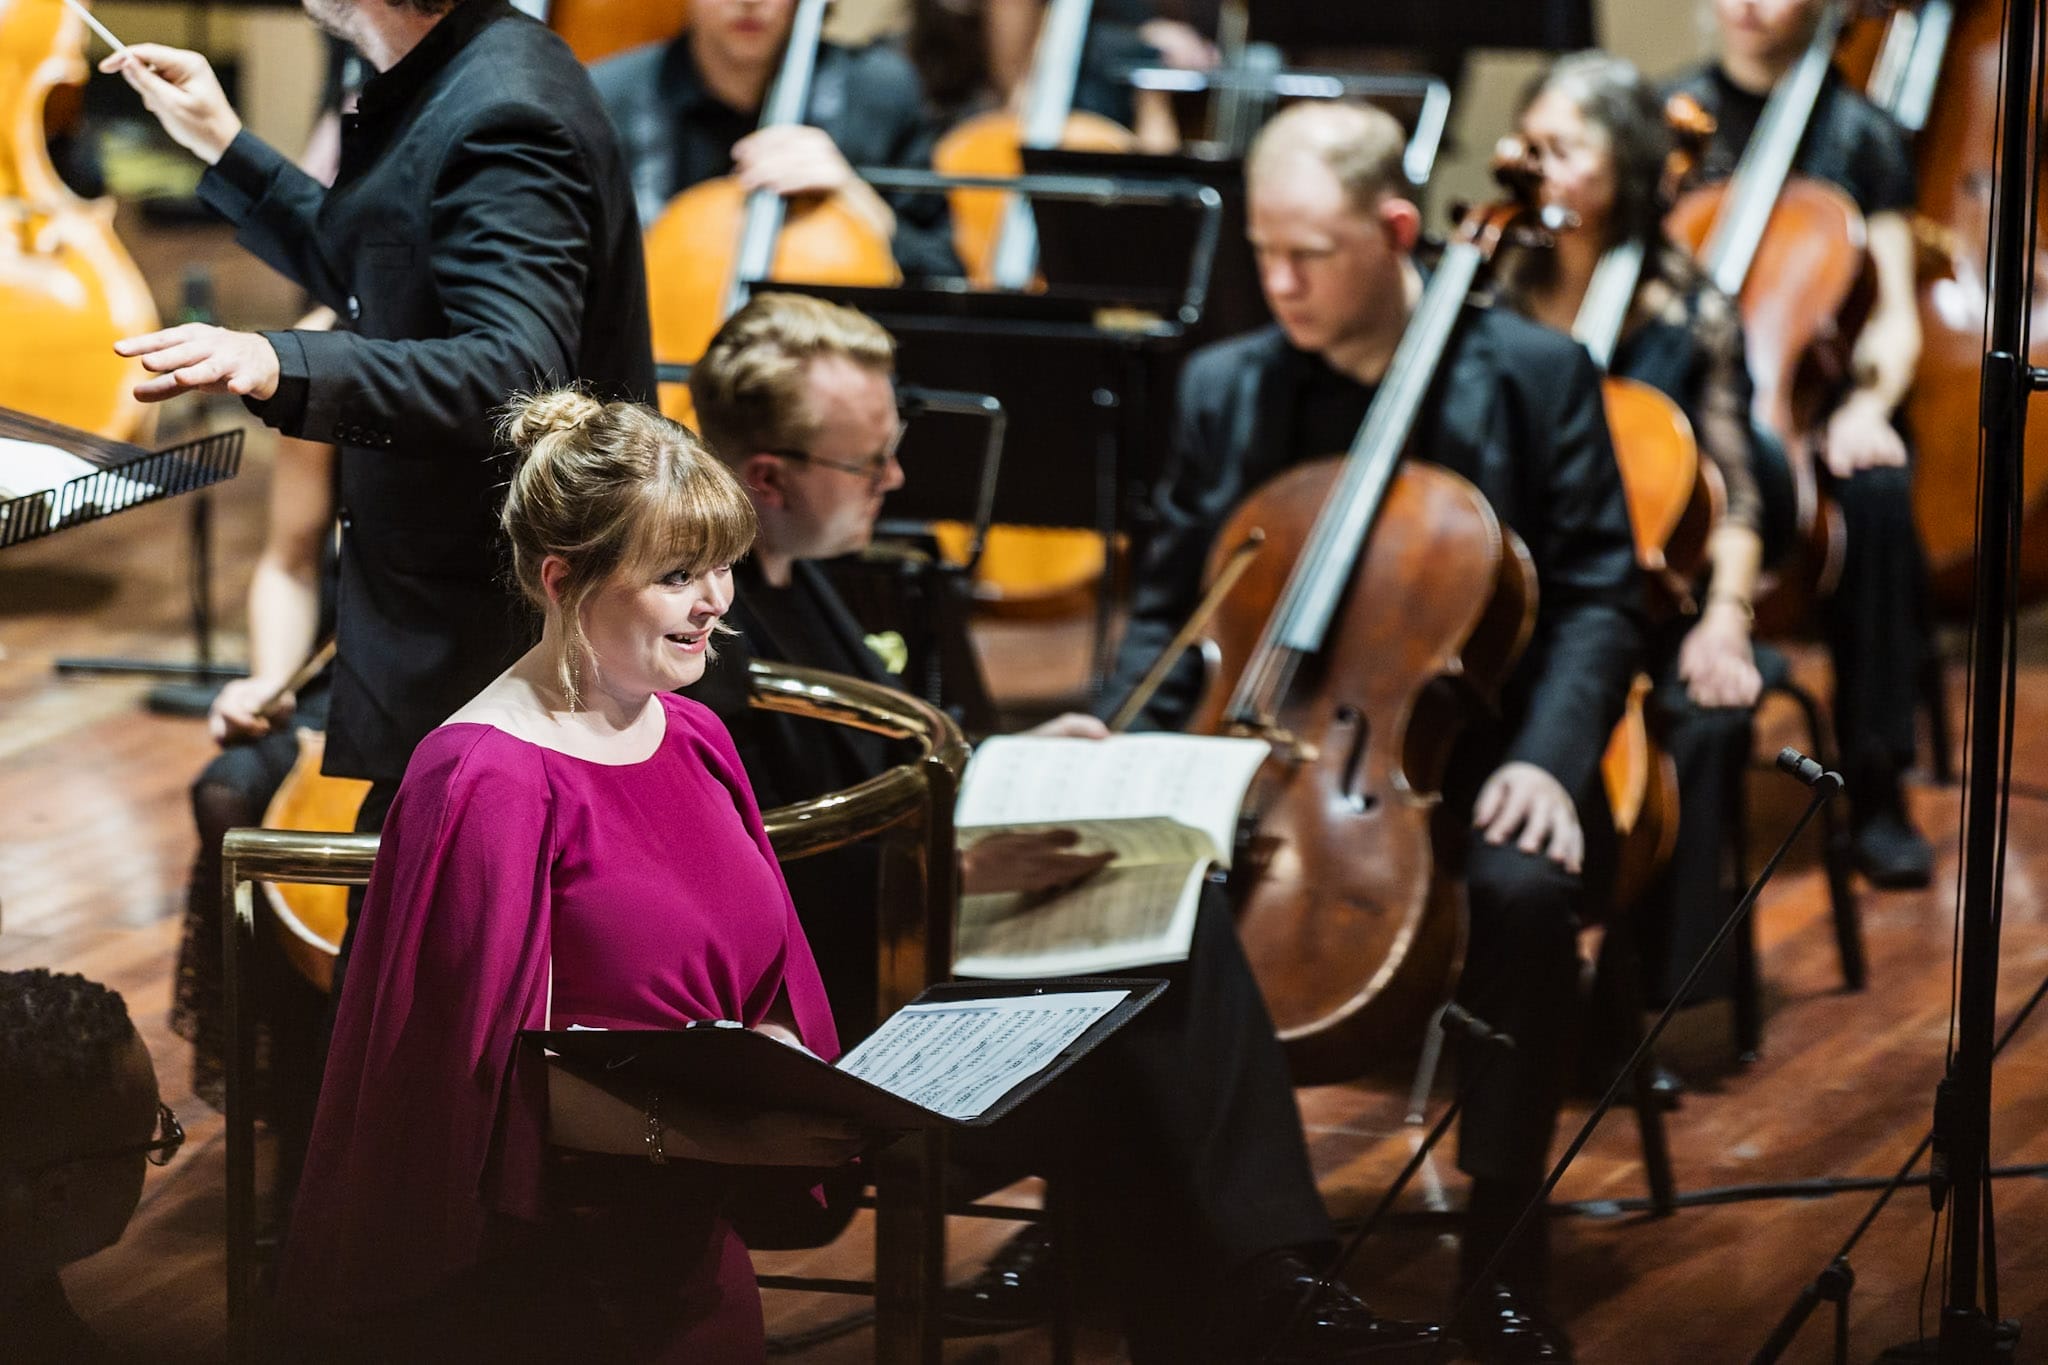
(479, 241)
(1516, 409)
(867, 99)
(1850, 142)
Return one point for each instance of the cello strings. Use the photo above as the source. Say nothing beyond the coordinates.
(1338, 537)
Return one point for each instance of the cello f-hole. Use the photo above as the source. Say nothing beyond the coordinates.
(1359, 801)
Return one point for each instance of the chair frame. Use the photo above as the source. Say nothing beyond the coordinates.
(909, 807)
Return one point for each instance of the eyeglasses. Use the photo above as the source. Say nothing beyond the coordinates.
(875, 468)
(168, 1137)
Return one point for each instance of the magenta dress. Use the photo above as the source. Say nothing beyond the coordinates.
(639, 896)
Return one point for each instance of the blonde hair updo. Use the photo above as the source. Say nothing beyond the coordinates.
(618, 492)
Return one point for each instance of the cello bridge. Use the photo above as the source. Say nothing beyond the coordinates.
(1288, 747)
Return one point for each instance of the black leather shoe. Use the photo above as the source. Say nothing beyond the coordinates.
(1271, 1323)
(1893, 854)
(1504, 1328)
(1012, 1292)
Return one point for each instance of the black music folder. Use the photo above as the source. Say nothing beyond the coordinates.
(962, 1055)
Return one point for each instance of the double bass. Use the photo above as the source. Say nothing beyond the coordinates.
(1388, 597)
(1791, 251)
(715, 240)
(1934, 68)
(68, 289)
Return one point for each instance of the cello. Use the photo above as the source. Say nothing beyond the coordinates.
(1790, 250)
(1674, 500)
(1934, 69)
(1024, 570)
(994, 233)
(597, 29)
(715, 241)
(68, 288)
(1387, 596)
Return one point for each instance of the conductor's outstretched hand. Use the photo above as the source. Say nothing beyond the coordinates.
(195, 356)
(184, 94)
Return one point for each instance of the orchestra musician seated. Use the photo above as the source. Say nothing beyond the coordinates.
(1193, 1189)
(1876, 624)
(1515, 409)
(686, 112)
(79, 1116)
(1599, 132)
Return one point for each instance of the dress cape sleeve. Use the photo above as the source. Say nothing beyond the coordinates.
(800, 982)
(431, 1125)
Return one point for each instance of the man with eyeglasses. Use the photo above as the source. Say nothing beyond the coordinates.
(1179, 1146)
(79, 1118)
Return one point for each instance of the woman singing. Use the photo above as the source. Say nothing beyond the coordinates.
(577, 846)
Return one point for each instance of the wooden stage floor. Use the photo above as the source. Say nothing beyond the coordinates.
(98, 840)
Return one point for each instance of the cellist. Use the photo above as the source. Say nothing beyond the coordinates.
(686, 112)
(1876, 624)
(1601, 139)
(1517, 410)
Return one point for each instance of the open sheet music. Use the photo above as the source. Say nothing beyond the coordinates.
(31, 467)
(1166, 805)
(959, 1057)
(960, 1054)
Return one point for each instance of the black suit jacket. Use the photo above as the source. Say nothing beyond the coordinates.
(1516, 409)
(479, 240)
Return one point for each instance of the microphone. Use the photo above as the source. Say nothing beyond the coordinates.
(1807, 772)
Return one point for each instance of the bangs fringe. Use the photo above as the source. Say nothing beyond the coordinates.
(696, 520)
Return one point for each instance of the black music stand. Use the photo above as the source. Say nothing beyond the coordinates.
(1083, 370)
(124, 475)
(1076, 253)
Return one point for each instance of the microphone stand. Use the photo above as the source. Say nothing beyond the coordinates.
(1834, 1282)
(1467, 1027)
(1825, 784)
(1970, 1330)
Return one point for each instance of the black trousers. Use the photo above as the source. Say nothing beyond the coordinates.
(1521, 978)
(1178, 1141)
(1684, 908)
(1179, 1144)
(1877, 633)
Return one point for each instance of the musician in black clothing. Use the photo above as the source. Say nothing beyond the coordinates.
(686, 111)
(1600, 136)
(1877, 621)
(1516, 409)
(479, 240)
(1185, 1156)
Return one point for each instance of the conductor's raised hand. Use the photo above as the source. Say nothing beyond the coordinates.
(184, 94)
(197, 357)
(1524, 803)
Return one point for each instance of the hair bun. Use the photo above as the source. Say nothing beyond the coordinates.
(530, 419)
